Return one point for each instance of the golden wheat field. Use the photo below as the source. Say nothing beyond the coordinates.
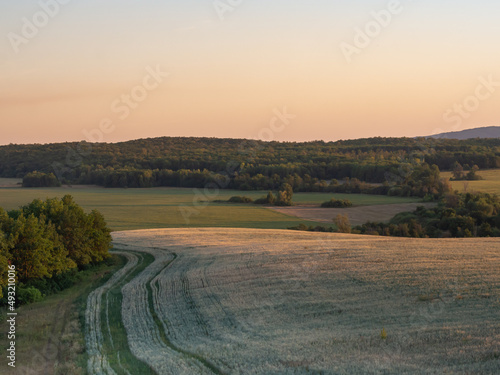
(249, 301)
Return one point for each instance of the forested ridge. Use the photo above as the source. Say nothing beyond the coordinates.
(244, 164)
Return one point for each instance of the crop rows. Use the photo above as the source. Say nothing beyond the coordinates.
(240, 301)
(145, 339)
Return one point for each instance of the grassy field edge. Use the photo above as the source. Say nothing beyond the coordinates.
(50, 333)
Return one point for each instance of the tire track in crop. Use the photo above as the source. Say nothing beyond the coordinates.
(155, 303)
(98, 362)
(186, 290)
(147, 340)
(123, 279)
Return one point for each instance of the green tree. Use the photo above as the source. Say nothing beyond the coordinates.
(38, 179)
(85, 237)
(270, 198)
(99, 236)
(472, 174)
(285, 195)
(458, 171)
(31, 249)
(47, 238)
(4, 254)
(343, 224)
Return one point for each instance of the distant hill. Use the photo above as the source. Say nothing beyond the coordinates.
(485, 132)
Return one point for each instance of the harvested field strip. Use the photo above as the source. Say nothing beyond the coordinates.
(357, 215)
(147, 342)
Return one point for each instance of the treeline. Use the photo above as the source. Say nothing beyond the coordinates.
(457, 215)
(38, 179)
(284, 197)
(337, 203)
(49, 240)
(184, 161)
(465, 173)
(414, 180)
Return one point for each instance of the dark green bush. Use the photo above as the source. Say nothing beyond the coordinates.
(269, 199)
(261, 200)
(337, 203)
(57, 282)
(239, 199)
(27, 295)
(38, 179)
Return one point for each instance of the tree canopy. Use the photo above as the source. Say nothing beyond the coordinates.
(47, 238)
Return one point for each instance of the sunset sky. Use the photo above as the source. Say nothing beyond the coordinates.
(69, 67)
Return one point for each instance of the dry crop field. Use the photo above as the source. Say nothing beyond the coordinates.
(250, 301)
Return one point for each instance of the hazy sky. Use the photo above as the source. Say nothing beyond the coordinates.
(344, 69)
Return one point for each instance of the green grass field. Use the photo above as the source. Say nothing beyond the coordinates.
(356, 199)
(126, 209)
(49, 334)
(10, 181)
(490, 184)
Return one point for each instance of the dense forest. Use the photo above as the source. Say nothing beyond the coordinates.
(48, 242)
(244, 164)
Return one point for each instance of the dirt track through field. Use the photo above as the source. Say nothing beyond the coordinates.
(98, 362)
(357, 215)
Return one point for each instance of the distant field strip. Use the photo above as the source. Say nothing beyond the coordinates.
(126, 209)
(245, 301)
(490, 184)
(357, 215)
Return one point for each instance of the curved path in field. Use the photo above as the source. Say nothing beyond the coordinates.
(98, 362)
(147, 342)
